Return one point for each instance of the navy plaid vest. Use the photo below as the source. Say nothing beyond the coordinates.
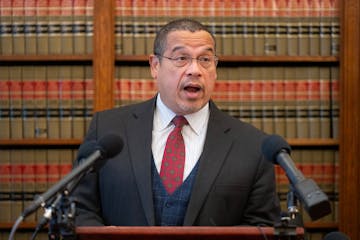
(170, 210)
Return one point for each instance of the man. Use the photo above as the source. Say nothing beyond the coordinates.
(224, 179)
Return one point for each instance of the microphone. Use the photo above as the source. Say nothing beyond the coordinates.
(107, 147)
(336, 236)
(316, 202)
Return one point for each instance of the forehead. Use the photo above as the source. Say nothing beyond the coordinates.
(186, 40)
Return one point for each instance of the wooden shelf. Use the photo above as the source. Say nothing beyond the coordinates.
(41, 142)
(313, 142)
(46, 58)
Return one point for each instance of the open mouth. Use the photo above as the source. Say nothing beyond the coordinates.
(192, 89)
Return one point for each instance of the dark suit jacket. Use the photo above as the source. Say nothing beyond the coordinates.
(234, 184)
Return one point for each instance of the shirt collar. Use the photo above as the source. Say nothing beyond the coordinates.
(197, 121)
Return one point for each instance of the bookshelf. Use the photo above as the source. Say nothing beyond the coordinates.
(104, 60)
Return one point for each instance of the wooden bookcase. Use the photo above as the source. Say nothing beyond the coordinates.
(103, 61)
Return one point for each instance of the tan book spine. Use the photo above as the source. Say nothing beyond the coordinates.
(249, 29)
(53, 163)
(55, 26)
(89, 28)
(52, 99)
(5, 185)
(267, 99)
(67, 21)
(6, 46)
(255, 97)
(16, 183)
(314, 102)
(302, 105)
(30, 27)
(65, 102)
(335, 101)
(41, 128)
(292, 36)
(290, 103)
(16, 124)
(89, 95)
(78, 101)
(325, 89)
(4, 102)
(65, 161)
(28, 179)
(79, 27)
(41, 184)
(18, 27)
(28, 91)
(42, 27)
(279, 100)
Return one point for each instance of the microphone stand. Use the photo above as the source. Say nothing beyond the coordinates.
(61, 215)
(286, 228)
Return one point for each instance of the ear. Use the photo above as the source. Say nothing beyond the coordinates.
(154, 65)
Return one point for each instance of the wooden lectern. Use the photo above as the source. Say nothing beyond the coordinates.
(183, 233)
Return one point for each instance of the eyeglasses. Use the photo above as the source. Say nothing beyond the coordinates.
(205, 61)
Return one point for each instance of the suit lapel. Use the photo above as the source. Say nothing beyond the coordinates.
(216, 146)
(139, 134)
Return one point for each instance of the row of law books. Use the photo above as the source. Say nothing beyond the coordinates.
(244, 36)
(295, 102)
(46, 27)
(249, 27)
(48, 101)
(247, 8)
(26, 173)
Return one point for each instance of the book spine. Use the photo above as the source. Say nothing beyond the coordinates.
(4, 102)
(67, 25)
(16, 183)
(28, 108)
(290, 104)
(55, 26)
(42, 27)
(6, 46)
(65, 102)
(28, 180)
(18, 27)
(5, 186)
(16, 126)
(302, 105)
(53, 102)
(279, 101)
(41, 171)
(30, 27)
(79, 26)
(78, 101)
(89, 27)
(89, 95)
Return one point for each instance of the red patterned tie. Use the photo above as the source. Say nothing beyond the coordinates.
(172, 167)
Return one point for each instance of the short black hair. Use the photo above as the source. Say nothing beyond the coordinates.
(177, 25)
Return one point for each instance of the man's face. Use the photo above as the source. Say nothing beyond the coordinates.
(185, 89)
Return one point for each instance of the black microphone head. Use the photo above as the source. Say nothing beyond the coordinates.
(336, 236)
(272, 145)
(110, 145)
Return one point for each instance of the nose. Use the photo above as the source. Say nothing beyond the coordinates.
(193, 68)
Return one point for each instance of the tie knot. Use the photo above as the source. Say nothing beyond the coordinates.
(179, 121)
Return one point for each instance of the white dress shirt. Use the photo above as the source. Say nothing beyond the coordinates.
(194, 134)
